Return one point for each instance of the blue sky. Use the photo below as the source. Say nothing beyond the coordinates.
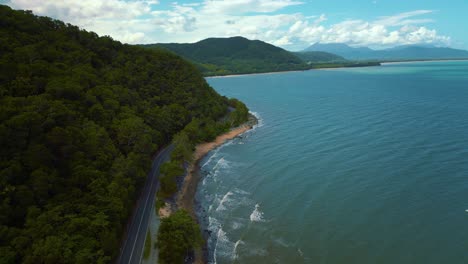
(291, 24)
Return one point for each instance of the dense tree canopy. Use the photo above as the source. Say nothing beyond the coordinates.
(236, 55)
(197, 131)
(313, 57)
(80, 117)
(178, 235)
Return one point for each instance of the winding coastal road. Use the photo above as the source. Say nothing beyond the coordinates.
(131, 251)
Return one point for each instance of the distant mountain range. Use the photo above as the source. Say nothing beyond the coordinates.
(406, 52)
(236, 55)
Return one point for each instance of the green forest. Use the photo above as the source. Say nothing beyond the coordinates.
(197, 131)
(80, 118)
(179, 233)
(314, 57)
(236, 55)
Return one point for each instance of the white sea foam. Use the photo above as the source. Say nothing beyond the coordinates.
(225, 199)
(234, 251)
(228, 143)
(215, 252)
(216, 152)
(214, 176)
(259, 119)
(257, 215)
(213, 224)
(224, 250)
(223, 246)
(233, 199)
(221, 164)
(242, 192)
(215, 155)
(236, 225)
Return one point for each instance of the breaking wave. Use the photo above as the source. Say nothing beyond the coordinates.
(223, 201)
(257, 215)
(259, 119)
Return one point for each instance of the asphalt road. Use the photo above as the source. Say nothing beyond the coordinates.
(131, 251)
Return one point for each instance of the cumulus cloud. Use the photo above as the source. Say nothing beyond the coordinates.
(123, 20)
(83, 10)
(282, 41)
(243, 6)
(146, 21)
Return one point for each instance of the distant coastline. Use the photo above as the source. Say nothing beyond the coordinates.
(255, 73)
(380, 63)
(318, 67)
(413, 61)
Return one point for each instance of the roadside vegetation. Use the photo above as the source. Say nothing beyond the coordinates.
(197, 131)
(80, 118)
(148, 243)
(184, 144)
(178, 235)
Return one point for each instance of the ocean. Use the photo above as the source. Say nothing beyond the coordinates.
(359, 165)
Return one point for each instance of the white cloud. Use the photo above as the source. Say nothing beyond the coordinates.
(123, 20)
(402, 18)
(243, 6)
(321, 19)
(282, 41)
(145, 21)
(83, 10)
(133, 37)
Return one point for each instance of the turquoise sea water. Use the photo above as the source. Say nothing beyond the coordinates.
(365, 165)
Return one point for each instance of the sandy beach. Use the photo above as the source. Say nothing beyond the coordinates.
(253, 74)
(185, 198)
(186, 195)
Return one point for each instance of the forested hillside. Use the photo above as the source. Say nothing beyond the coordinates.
(312, 57)
(80, 118)
(236, 55)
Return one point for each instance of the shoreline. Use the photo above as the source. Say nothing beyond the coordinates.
(322, 66)
(253, 74)
(279, 72)
(416, 61)
(185, 196)
(383, 62)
